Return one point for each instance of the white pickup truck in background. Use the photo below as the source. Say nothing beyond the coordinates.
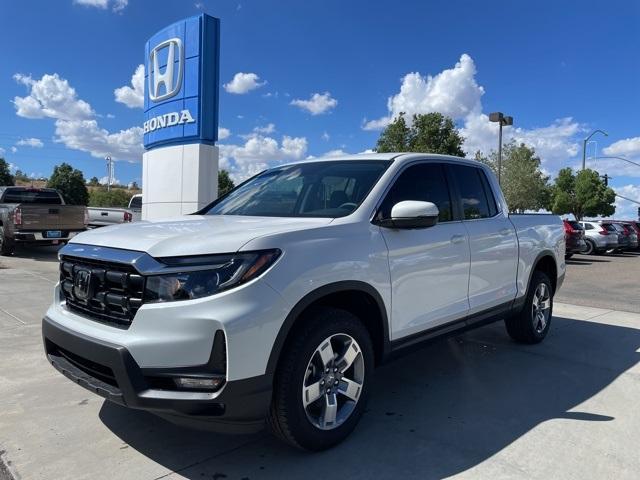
(277, 301)
(102, 217)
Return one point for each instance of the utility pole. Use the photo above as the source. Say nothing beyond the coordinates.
(109, 172)
(502, 120)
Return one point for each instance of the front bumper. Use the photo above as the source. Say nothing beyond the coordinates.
(110, 371)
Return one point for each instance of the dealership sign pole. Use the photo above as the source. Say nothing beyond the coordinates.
(180, 163)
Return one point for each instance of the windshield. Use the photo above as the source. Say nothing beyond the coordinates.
(19, 195)
(318, 189)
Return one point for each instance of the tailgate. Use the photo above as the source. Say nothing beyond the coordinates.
(52, 217)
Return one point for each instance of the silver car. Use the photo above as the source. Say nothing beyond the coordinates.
(599, 237)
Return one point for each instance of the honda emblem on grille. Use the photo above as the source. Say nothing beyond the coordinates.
(82, 284)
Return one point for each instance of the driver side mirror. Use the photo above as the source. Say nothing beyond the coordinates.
(411, 214)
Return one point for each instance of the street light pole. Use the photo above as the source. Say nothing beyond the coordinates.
(502, 120)
(584, 145)
(109, 172)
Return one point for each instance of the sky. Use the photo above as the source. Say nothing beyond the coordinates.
(305, 78)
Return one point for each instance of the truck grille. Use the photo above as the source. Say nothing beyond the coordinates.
(109, 293)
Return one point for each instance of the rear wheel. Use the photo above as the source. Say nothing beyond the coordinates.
(323, 380)
(6, 246)
(532, 323)
(590, 247)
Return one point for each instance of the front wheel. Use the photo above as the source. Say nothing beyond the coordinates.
(323, 380)
(532, 323)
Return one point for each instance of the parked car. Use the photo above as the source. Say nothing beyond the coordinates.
(275, 301)
(135, 206)
(634, 228)
(574, 238)
(598, 239)
(630, 240)
(37, 216)
(623, 240)
(102, 217)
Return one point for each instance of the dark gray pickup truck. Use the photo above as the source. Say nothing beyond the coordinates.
(37, 216)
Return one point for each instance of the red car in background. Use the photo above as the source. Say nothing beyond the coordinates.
(574, 238)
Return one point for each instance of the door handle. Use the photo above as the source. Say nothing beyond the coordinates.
(505, 231)
(457, 239)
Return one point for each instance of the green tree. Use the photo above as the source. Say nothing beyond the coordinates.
(428, 133)
(523, 184)
(225, 183)
(583, 194)
(5, 174)
(71, 183)
(94, 182)
(116, 197)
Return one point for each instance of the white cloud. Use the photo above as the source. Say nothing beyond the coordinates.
(13, 167)
(14, 149)
(455, 92)
(116, 5)
(629, 147)
(132, 96)
(258, 153)
(624, 208)
(325, 136)
(223, 133)
(317, 103)
(243, 83)
(30, 142)
(2, 151)
(104, 180)
(199, 5)
(336, 153)
(267, 129)
(52, 97)
(75, 121)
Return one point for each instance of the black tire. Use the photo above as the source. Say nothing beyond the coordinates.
(288, 418)
(522, 326)
(6, 246)
(590, 248)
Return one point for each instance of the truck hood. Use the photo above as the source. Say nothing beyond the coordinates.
(194, 234)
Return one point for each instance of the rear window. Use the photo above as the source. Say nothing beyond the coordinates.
(609, 227)
(136, 202)
(18, 195)
(575, 225)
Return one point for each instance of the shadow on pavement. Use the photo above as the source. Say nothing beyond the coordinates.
(439, 411)
(40, 254)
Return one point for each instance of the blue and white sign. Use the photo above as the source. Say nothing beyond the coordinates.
(182, 83)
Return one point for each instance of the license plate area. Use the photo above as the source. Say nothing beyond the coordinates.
(53, 234)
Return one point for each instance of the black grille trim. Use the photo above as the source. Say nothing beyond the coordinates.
(115, 295)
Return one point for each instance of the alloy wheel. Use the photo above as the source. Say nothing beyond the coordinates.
(541, 307)
(333, 381)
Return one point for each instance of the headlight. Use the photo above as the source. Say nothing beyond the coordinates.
(201, 276)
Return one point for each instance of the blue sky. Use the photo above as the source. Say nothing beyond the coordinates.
(318, 77)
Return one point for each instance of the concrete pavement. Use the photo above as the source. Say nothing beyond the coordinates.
(473, 406)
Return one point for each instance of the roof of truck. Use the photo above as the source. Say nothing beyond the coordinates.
(383, 157)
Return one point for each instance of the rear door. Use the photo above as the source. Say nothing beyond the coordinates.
(492, 240)
(429, 267)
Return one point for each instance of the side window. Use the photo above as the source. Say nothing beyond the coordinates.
(491, 199)
(425, 182)
(473, 197)
(588, 226)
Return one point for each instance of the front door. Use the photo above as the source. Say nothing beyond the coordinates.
(430, 266)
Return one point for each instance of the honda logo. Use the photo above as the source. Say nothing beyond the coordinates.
(82, 284)
(163, 85)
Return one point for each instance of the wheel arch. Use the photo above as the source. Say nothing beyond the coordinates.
(546, 263)
(357, 297)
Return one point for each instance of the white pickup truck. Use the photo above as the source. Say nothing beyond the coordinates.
(277, 301)
(103, 217)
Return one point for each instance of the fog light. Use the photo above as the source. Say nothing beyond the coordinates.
(208, 384)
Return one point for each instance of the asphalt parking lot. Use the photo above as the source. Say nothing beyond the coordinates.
(472, 406)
